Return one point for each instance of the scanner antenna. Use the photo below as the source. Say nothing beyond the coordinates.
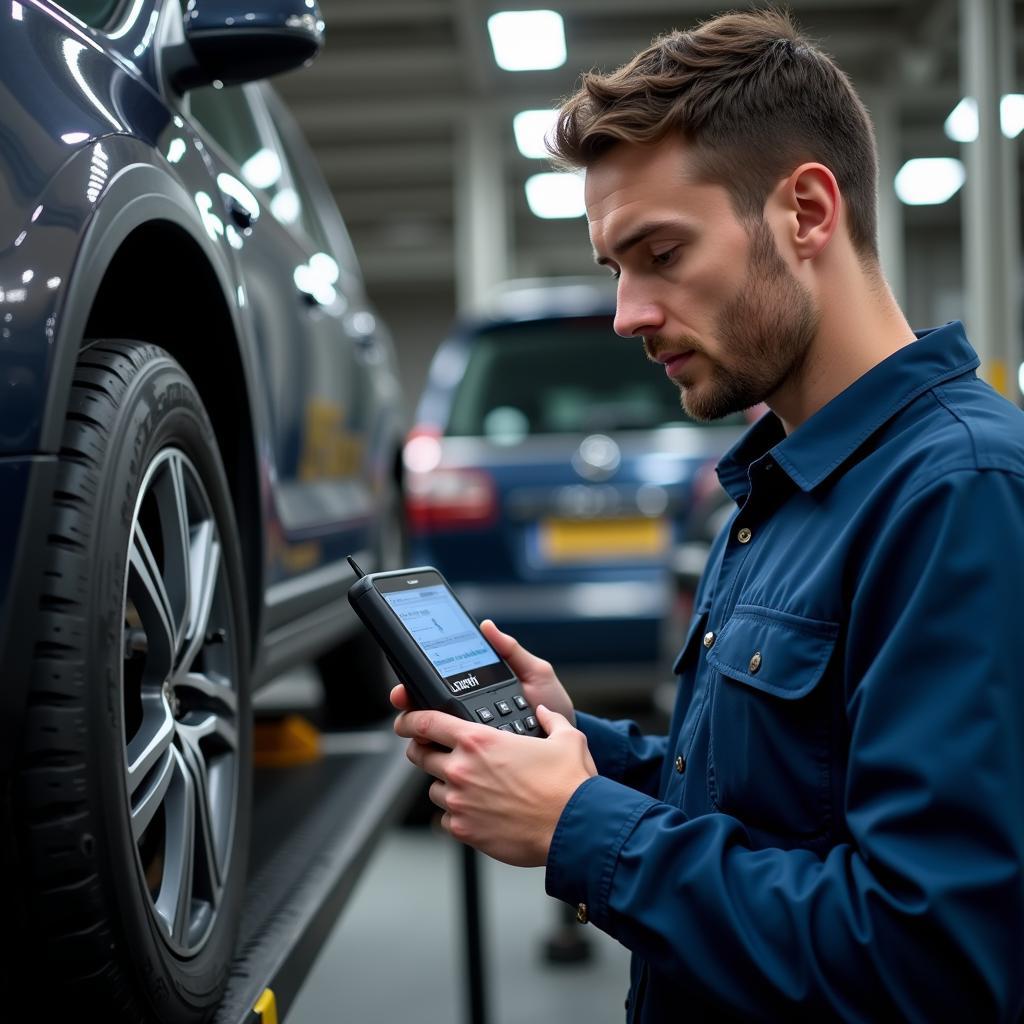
(355, 567)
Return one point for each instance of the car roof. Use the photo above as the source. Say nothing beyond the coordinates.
(546, 298)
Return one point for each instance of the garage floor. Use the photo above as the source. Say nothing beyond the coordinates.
(396, 953)
(397, 950)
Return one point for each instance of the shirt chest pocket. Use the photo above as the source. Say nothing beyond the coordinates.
(770, 750)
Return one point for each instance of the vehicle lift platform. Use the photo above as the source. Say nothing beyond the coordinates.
(320, 803)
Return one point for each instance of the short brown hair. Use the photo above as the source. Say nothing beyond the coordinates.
(754, 96)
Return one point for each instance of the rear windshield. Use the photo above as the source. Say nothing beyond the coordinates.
(561, 377)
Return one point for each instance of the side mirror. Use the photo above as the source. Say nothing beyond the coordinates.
(233, 42)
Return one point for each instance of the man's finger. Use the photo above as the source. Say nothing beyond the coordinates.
(433, 727)
(525, 665)
(400, 698)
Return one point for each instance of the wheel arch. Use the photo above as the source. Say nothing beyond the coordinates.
(199, 331)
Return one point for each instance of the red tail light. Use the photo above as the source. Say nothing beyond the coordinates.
(439, 497)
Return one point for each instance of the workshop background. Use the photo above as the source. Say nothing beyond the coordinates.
(412, 120)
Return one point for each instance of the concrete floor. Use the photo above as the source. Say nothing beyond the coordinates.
(397, 951)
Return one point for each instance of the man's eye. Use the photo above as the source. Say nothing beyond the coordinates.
(663, 259)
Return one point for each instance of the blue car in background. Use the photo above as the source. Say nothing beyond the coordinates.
(548, 476)
(199, 418)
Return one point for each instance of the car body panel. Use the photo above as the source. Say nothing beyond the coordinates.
(92, 150)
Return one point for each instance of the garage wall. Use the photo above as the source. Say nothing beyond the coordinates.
(419, 315)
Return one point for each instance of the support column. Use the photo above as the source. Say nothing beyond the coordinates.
(991, 234)
(891, 238)
(482, 253)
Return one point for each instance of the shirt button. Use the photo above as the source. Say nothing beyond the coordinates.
(680, 764)
(581, 913)
(755, 661)
(744, 536)
(709, 639)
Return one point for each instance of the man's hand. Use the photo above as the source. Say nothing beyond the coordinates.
(500, 792)
(540, 684)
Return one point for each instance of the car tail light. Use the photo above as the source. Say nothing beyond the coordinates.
(438, 497)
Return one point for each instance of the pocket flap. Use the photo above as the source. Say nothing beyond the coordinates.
(773, 651)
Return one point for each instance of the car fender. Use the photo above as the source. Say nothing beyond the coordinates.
(74, 247)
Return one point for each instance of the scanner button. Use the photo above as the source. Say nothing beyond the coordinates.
(484, 715)
(519, 727)
(506, 728)
(504, 707)
(520, 702)
(530, 722)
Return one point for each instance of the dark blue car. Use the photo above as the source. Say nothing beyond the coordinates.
(199, 417)
(548, 476)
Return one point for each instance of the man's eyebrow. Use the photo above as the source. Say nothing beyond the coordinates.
(638, 235)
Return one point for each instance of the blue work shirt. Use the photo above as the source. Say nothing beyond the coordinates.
(834, 826)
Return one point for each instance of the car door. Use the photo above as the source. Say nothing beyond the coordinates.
(302, 324)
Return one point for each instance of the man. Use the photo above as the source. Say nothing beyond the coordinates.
(834, 826)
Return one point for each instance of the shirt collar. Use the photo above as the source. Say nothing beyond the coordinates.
(828, 438)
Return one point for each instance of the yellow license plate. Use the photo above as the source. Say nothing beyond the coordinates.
(594, 540)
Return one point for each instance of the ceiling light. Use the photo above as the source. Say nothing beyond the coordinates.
(1011, 114)
(962, 123)
(527, 40)
(531, 127)
(556, 194)
(929, 181)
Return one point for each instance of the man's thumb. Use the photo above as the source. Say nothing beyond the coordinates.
(552, 720)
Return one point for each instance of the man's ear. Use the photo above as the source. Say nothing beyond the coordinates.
(812, 205)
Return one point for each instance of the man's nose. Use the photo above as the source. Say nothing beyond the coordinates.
(636, 314)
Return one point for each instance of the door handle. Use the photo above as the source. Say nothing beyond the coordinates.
(241, 215)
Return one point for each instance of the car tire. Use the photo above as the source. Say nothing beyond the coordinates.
(133, 789)
(356, 677)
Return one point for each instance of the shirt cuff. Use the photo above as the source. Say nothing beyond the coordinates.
(584, 852)
(608, 743)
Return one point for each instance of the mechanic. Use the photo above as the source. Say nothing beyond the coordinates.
(834, 826)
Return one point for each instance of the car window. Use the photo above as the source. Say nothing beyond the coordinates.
(561, 376)
(229, 116)
(324, 223)
(95, 13)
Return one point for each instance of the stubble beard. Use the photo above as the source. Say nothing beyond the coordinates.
(765, 332)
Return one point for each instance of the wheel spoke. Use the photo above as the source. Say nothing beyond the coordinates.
(204, 556)
(211, 845)
(147, 592)
(151, 742)
(172, 499)
(198, 690)
(152, 796)
(174, 901)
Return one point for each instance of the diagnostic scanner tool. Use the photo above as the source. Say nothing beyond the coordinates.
(437, 649)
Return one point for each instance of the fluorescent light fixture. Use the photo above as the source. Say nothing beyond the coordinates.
(962, 123)
(531, 127)
(929, 181)
(555, 194)
(1011, 114)
(527, 40)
